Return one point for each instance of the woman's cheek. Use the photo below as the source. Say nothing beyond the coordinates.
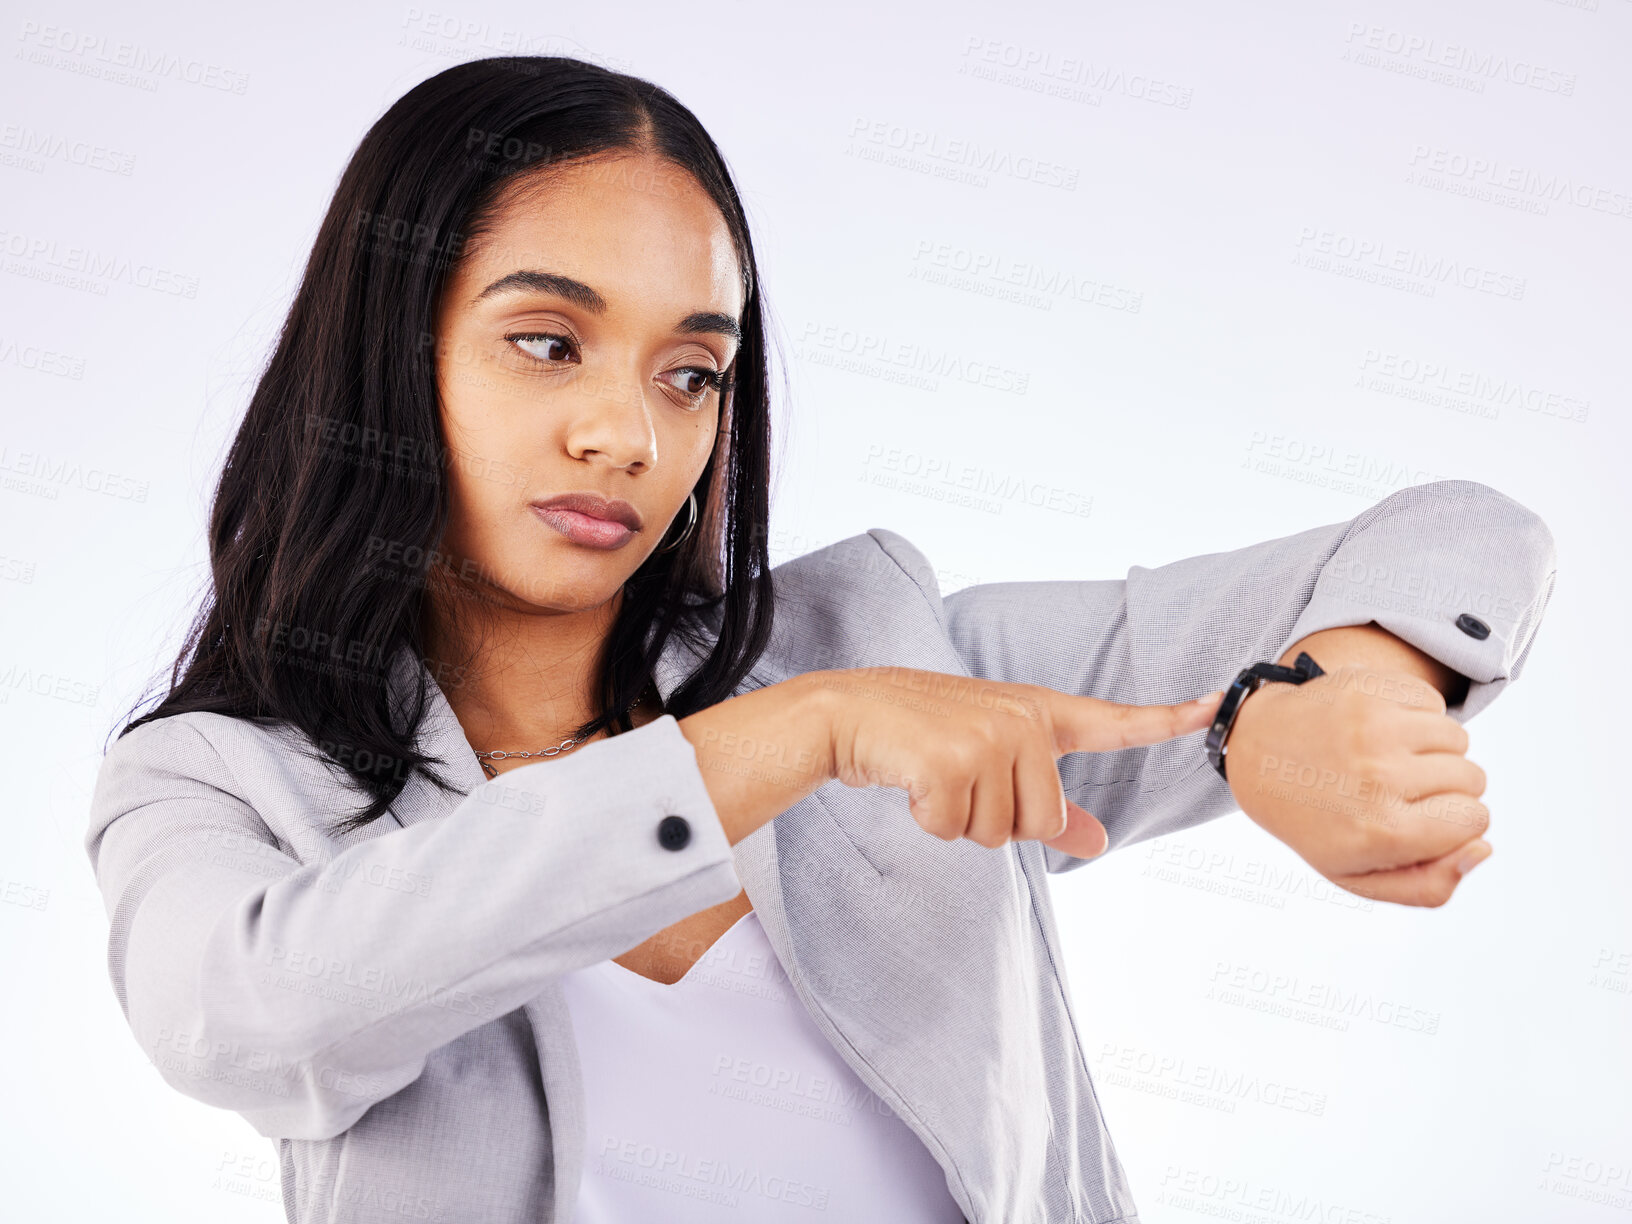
(475, 518)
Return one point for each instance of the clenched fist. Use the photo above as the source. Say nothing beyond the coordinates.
(1365, 775)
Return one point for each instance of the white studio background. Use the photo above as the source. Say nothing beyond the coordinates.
(1222, 191)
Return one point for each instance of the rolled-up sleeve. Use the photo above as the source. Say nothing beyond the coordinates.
(1457, 569)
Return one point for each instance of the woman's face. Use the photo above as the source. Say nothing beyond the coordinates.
(577, 347)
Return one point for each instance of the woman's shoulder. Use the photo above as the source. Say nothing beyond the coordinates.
(199, 754)
(196, 738)
(857, 601)
(185, 774)
(874, 567)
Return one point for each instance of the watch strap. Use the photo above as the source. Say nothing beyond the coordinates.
(1247, 681)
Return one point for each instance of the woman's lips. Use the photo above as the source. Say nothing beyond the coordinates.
(586, 529)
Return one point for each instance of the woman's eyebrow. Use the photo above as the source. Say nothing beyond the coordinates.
(580, 294)
(575, 291)
(710, 321)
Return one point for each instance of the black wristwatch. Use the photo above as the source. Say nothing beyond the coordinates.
(1248, 681)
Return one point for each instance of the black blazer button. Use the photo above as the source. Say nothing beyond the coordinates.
(673, 832)
(1473, 626)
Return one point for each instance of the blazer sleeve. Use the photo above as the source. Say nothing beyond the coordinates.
(299, 995)
(1413, 563)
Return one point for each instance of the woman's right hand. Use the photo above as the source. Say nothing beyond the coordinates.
(976, 757)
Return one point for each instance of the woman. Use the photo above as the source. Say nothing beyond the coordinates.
(495, 721)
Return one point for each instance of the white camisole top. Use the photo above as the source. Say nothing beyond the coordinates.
(717, 1098)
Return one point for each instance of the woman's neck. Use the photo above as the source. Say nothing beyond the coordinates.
(532, 679)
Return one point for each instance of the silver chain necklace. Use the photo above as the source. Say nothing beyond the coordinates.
(554, 750)
(485, 757)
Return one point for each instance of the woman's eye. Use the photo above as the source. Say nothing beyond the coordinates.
(694, 382)
(543, 346)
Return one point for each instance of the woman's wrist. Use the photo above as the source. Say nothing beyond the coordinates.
(821, 698)
(762, 751)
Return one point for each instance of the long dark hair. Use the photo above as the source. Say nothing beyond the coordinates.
(326, 521)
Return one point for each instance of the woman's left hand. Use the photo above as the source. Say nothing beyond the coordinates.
(1363, 774)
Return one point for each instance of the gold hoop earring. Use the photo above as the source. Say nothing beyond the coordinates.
(691, 502)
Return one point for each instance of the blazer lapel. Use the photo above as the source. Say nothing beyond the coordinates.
(440, 737)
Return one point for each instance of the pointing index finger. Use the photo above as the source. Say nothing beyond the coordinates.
(1089, 724)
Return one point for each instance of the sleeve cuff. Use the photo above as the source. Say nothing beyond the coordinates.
(1454, 568)
(643, 791)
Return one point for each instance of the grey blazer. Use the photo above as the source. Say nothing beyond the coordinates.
(385, 1006)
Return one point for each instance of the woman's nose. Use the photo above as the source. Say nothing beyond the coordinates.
(612, 418)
